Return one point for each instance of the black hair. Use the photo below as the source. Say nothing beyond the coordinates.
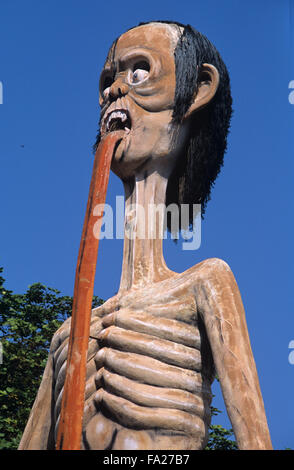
(194, 175)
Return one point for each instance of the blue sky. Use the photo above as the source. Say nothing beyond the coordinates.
(51, 54)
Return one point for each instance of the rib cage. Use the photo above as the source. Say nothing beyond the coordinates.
(144, 386)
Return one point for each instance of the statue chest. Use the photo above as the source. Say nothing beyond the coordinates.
(144, 374)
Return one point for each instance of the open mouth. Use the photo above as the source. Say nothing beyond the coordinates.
(118, 119)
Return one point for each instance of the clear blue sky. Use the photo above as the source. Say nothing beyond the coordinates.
(51, 54)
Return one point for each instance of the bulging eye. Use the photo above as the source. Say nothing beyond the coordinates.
(140, 72)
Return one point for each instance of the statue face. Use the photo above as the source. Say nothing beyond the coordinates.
(137, 88)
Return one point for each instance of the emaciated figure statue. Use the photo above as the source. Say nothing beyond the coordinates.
(156, 346)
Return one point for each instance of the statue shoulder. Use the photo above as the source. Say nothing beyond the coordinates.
(208, 268)
(107, 307)
(63, 331)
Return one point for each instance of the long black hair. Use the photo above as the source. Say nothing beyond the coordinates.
(195, 173)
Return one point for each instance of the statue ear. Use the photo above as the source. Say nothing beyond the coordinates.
(208, 84)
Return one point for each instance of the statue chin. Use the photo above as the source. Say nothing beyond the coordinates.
(125, 160)
(131, 158)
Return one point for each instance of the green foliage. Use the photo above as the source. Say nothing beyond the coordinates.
(27, 324)
(219, 437)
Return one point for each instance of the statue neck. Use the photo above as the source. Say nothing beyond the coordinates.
(143, 261)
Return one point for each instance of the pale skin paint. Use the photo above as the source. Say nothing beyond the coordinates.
(150, 350)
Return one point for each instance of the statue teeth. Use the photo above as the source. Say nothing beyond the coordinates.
(116, 115)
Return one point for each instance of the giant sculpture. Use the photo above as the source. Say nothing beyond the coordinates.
(155, 347)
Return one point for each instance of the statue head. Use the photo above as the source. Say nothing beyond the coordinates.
(166, 85)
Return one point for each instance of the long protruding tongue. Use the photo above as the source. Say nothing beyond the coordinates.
(72, 408)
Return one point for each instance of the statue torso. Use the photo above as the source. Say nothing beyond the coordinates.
(149, 371)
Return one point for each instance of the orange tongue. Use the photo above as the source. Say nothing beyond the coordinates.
(72, 408)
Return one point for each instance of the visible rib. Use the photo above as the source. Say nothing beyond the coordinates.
(138, 417)
(161, 349)
(164, 328)
(151, 396)
(148, 370)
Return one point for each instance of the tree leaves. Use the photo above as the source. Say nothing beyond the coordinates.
(219, 439)
(27, 324)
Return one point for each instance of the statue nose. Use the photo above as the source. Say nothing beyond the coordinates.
(118, 89)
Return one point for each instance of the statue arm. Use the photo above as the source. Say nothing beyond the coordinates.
(220, 306)
(38, 433)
